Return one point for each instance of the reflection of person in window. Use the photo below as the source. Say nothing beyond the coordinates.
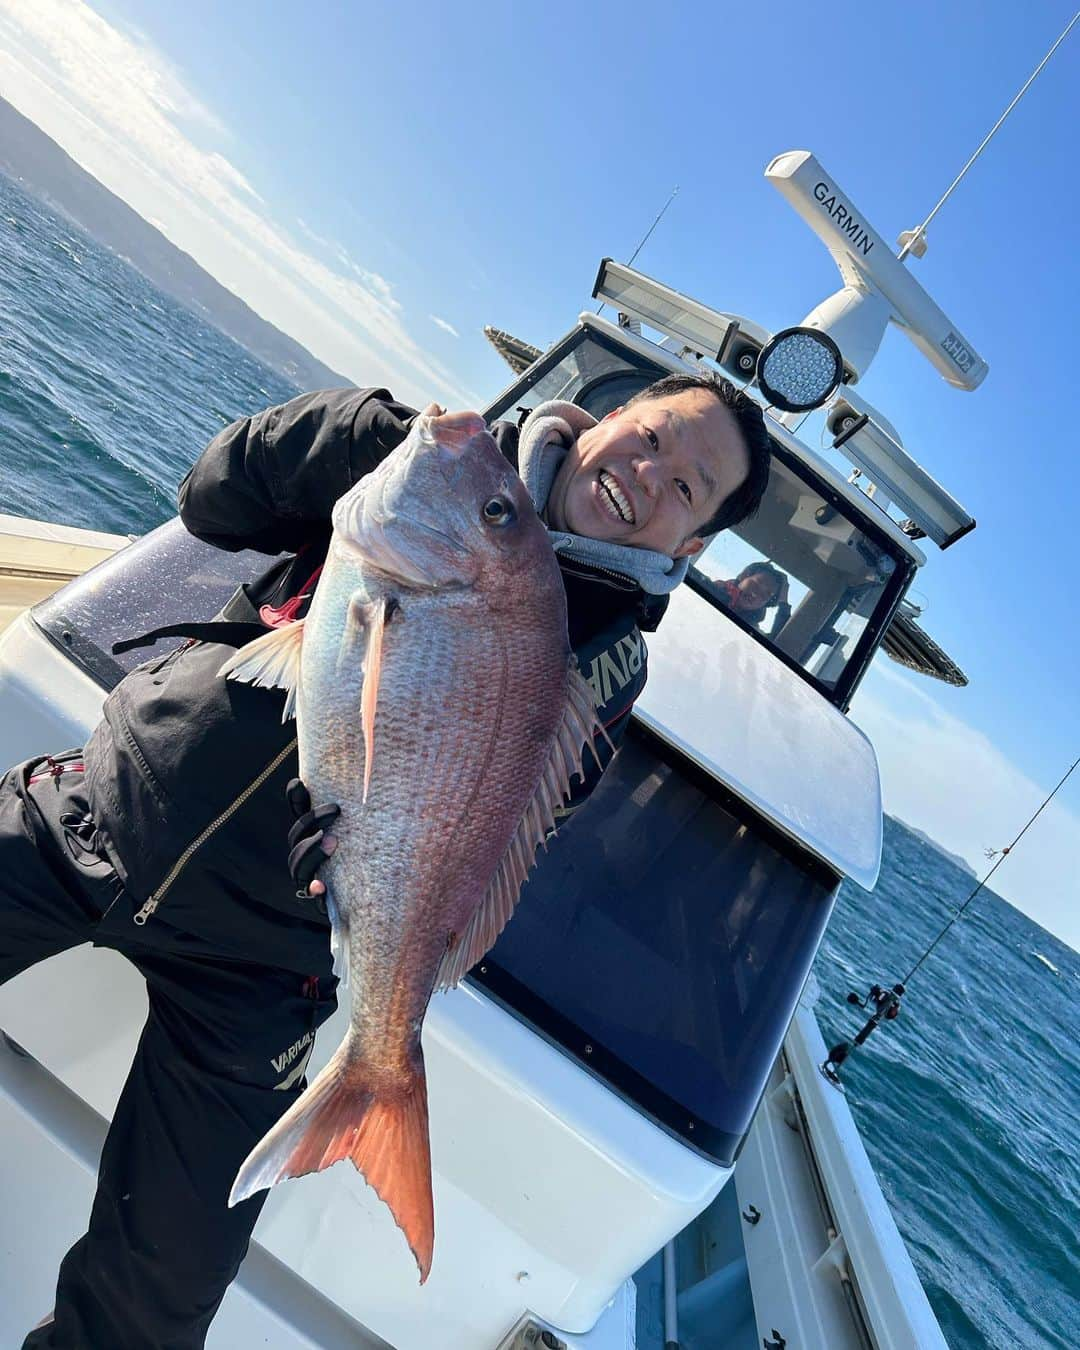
(758, 588)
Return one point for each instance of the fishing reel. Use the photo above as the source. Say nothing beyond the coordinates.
(886, 1005)
(889, 1000)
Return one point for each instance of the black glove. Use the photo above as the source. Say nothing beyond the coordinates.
(308, 839)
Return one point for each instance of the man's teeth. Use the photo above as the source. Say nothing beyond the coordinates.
(615, 499)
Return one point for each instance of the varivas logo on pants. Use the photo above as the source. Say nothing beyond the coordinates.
(301, 1050)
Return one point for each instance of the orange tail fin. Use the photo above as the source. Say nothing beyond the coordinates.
(385, 1134)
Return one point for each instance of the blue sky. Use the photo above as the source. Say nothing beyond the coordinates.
(383, 181)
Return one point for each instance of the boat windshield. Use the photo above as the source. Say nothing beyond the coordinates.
(663, 943)
(809, 576)
(168, 576)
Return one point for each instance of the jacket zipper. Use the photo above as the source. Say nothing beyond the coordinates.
(157, 896)
(592, 571)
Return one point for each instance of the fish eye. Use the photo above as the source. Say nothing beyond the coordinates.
(498, 511)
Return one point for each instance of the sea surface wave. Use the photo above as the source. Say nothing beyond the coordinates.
(108, 388)
(968, 1103)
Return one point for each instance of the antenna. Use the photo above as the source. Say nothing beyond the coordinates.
(659, 218)
(645, 237)
(914, 241)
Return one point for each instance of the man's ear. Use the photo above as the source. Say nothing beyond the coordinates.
(689, 547)
(613, 413)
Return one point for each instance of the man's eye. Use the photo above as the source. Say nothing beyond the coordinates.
(652, 438)
(684, 488)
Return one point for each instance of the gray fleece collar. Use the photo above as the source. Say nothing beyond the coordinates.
(548, 433)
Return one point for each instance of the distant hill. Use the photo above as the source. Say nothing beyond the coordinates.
(47, 171)
(954, 858)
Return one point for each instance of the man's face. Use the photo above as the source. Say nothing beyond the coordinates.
(756, 591)
(652, 474)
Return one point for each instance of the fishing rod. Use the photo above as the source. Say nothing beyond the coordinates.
(886, 1002)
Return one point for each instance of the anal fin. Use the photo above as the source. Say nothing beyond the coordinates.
(339, 941)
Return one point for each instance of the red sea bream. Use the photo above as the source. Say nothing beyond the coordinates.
(438, 702)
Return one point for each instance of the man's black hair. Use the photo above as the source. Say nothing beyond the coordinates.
(746, 498)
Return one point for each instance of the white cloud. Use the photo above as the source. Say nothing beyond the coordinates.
(447, 327)
(232, 175)
(949, 779)
(115, 104)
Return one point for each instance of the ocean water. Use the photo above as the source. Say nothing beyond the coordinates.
(108, 388)
(968, 1104)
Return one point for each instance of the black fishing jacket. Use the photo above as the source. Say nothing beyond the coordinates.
(186, 772)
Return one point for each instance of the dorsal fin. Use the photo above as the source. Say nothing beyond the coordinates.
(537, 821)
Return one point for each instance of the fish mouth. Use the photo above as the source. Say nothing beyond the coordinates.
(615, 499)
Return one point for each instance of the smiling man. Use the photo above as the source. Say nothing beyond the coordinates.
(656, 473)
(165, 839)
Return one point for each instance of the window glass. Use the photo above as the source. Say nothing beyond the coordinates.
(166, 577)
(664, 943)
(800, 574)
(586, 372)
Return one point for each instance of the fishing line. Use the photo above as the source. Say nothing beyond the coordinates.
(1004, 854)
(886, 1002)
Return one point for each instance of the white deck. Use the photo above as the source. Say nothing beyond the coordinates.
(36, 558)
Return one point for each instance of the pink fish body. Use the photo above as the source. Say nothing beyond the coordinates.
(437, 701)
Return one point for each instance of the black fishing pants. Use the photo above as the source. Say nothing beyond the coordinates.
(220, 1058)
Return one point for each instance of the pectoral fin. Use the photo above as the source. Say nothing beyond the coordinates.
(379, 615)
(272, 661)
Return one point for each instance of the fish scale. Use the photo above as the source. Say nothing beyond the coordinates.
(400, 877)
(438, 703)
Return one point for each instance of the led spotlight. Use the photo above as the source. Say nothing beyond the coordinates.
(799, 369)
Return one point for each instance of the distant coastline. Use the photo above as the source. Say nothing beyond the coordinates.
(44, 169)
(954, 858)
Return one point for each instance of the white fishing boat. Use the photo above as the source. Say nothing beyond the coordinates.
(634, 1146)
